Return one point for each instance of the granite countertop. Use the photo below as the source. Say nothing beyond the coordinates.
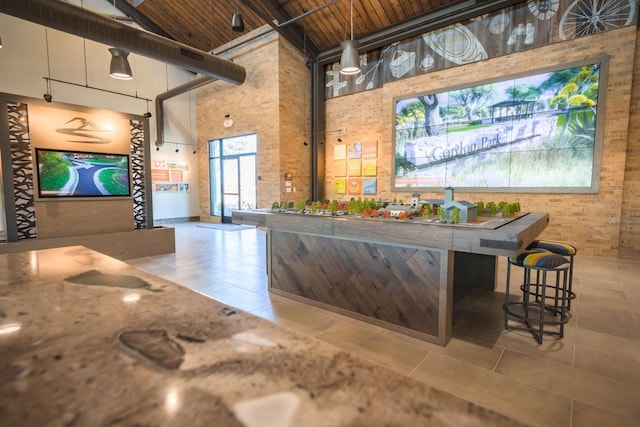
(87, 340)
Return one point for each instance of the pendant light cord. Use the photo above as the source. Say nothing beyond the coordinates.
(46, 42)
(351, 19)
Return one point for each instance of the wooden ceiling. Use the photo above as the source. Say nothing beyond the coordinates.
(313, 25)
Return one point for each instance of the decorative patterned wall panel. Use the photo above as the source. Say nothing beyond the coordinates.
(22, 166)
(530, 25)
(138, 174)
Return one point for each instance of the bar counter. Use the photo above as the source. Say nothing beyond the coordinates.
(87, 340)
(397, 274)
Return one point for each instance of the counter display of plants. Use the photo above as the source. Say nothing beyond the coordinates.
(371, 208)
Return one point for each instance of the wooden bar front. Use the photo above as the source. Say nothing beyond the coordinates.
(394, 274)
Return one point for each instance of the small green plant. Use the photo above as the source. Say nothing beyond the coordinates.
(493, 208)
(455, 215)
(300, 205)
(315, 207)
(333, 207)
(284, 205)
(442, 215)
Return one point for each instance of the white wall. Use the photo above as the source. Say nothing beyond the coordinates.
(32, 52)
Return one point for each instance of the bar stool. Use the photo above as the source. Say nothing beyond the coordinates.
(559, 248)
(534, 311)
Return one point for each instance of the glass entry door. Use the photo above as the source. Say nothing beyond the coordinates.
(232, 165)
(238, 184)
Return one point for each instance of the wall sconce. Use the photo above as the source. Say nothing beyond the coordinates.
(120, 68)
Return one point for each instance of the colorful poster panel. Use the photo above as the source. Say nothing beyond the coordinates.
(354, 186)
(355, 167)
(369, 185)
(340, 167)
(340, 186)
(369, 167)
(370, 150)
(354, 151)
(340, 152)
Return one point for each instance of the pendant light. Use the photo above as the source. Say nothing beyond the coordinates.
(350, 61)
(120, 68)
(237, 24)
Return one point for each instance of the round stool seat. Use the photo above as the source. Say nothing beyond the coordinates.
(540, 260)
(559, 248)
(538, 307)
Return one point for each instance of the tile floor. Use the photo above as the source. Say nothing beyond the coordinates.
(591, 377)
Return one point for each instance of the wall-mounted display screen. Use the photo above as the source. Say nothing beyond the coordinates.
(536, 133)
(82, 174)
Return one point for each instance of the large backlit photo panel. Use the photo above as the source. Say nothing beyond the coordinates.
(534, 132)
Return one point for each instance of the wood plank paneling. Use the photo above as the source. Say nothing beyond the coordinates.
(206, 24)
(390, 283)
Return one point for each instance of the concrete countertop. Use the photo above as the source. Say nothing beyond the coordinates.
(87, 340)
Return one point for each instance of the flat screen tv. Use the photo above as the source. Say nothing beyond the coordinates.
(82, 174)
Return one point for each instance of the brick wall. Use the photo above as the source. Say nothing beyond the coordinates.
(591, 221)
(273, 103)
(630, 223)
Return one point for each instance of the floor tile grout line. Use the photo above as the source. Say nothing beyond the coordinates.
(410, 374)
(504, 349)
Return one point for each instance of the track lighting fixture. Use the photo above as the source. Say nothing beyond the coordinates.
(177, 150)
(47, 97)
(194, 151)
(157, 148)
(120, 68)
(339, 139)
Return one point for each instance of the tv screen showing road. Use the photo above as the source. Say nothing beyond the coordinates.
(82, 174)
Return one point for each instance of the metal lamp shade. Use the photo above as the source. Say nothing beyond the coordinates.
(350, 60)
(237, 24)
(120, 68)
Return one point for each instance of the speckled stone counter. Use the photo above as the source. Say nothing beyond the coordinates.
(87, 340)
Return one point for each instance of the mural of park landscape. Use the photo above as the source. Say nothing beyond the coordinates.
(525, 26)
(534, 132)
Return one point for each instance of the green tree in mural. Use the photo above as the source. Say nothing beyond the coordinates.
(579, 97)
(409, 117)
(54, 171)
(523, 91)
(473, 98)
(453, 112)
(432, 120)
